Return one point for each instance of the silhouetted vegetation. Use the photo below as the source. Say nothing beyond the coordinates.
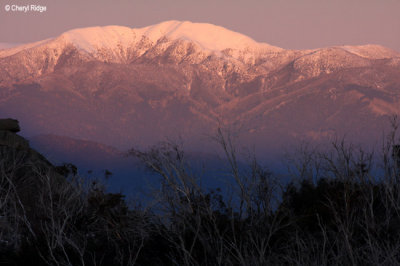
(342, 207)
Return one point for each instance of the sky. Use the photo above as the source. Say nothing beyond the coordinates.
(290, 24)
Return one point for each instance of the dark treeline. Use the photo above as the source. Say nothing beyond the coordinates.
(338, 209)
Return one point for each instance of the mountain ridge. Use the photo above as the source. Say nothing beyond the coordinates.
(209, 37)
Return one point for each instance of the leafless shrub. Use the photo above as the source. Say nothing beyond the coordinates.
(339, 209)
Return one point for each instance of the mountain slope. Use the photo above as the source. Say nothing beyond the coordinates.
(181, 80)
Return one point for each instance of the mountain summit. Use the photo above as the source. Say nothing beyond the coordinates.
(209, 37)
(120, 41)
(123, 44)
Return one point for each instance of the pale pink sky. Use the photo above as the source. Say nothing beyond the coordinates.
(294, 24)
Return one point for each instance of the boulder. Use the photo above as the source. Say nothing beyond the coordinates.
(11, 140)
(9, 125)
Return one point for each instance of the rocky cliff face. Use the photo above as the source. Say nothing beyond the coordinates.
(124, 87)
(21, 168)
(33, 192)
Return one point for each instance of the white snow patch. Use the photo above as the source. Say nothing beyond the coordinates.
(94, 38)
(209, 37)
(16, 49)
(371, 51)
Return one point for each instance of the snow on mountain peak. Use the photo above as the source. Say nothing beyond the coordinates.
(207, 36)
(117, 42)
(371, 51)
(91, 39)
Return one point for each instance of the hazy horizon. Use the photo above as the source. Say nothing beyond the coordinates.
(306, 24)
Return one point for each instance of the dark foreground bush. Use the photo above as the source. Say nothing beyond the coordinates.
(334, 212)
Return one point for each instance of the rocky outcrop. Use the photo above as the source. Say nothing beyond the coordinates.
(27, 180)
(9, 125)
(8, 138)
(15, 150)
(12, 140)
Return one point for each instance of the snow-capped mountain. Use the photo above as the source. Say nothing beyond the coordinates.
(179, 42)
(123, 86)
(101, 42)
